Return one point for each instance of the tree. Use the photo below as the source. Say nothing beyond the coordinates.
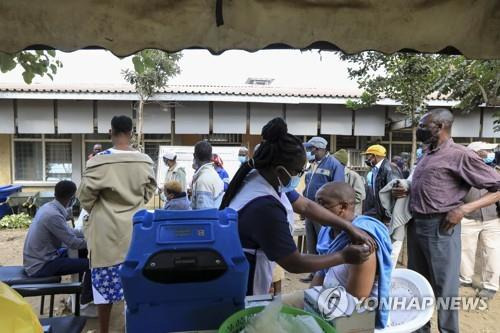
(472, 82)
(407, 78)
(152, 70)
(38, 62)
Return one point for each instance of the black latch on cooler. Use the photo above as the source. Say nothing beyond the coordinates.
(185, 266)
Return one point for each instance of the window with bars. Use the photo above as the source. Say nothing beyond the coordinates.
(28, 161)
(42, 158)
(57, 161)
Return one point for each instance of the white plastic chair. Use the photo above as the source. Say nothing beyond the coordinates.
(407, 284)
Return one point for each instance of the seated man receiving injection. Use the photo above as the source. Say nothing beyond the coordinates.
(371, 278)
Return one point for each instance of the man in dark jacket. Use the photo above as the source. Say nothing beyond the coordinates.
(383, 172)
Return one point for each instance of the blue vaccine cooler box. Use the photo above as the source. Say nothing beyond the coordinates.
(185, 271)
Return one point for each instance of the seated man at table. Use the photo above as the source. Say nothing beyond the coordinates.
(49, 237)
(371, 278)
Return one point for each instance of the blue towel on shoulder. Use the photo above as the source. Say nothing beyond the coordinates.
(324, 240)
(381, 236)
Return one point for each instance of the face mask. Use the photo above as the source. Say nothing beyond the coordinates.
(310, 157)
(489, 158)
(292, 184)
(242, 159)
(370, 163)
(419, 153)
(424, 135)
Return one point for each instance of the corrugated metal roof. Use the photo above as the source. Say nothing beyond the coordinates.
(237, 90)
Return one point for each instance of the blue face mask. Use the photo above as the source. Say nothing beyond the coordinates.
(242, 159)
(310, 157)
(292, 184)
(419, 153)
(490, 158)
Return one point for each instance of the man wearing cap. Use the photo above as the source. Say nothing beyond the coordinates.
(174, 171)
(383, 172)
(325, 169)
(481, 226)
(354, 179)
(440, 182)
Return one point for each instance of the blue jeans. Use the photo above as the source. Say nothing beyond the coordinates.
(66, 266)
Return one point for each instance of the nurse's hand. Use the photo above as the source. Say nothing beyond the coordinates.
(355, 254)
(360, 237)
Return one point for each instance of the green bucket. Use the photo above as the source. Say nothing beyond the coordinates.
(239, 320)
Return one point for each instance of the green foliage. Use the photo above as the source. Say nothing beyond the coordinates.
(407, 78)
(411, 78)
(34, 63)
(15, 221)
(472, 82)
(152, 69)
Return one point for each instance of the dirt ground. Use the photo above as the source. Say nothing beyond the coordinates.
(11, 246)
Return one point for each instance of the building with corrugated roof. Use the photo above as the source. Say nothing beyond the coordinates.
(47, 131)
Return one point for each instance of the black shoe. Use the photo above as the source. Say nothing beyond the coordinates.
(307, 279)
(486, 294)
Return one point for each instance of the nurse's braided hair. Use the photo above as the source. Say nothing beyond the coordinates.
(278, 147)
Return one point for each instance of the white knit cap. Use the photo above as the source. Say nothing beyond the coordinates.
(169, 155)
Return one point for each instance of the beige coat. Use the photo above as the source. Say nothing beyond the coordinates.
(356, 181)
(114, 187)
(177, 173)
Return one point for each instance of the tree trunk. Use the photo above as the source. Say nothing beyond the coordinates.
(413, 138)
(139, 126)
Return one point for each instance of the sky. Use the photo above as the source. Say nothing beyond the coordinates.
(288, 68)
